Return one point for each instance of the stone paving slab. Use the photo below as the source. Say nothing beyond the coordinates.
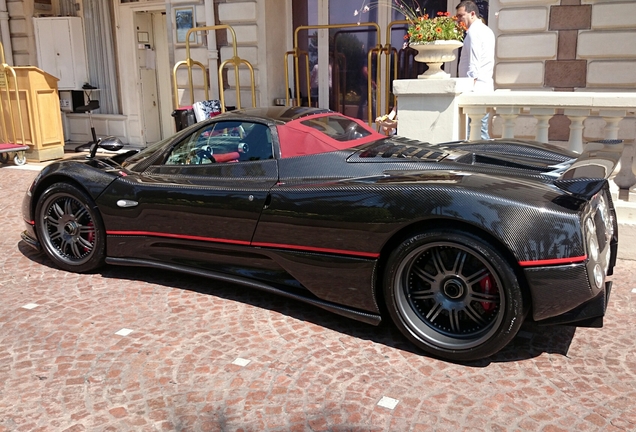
(130, 349)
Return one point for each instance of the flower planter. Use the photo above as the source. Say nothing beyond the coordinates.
(435, 54)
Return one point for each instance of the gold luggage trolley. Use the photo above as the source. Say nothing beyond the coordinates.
(9, 104)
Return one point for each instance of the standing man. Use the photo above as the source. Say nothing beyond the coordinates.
(478, 53)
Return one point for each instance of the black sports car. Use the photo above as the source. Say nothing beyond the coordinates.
(457, 242)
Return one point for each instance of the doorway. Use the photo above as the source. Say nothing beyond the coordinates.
(342, 86)
(153, 73)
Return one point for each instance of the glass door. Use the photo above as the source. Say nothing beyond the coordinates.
(347, 51)
(341, 84)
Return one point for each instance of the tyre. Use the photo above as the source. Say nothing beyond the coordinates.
(453, 295)
(19, 158)
(70, 228)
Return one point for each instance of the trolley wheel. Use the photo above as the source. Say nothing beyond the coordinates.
(19, 158)
(4, 157)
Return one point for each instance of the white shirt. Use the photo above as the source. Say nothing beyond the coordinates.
(478, 56)
(314, 77)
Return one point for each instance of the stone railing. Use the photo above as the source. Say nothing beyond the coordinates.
(436, 111)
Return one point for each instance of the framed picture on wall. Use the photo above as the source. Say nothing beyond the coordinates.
(184, 20)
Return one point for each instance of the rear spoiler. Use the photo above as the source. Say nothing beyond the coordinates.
(588, 174)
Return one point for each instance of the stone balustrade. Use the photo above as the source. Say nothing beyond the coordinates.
(436, 111)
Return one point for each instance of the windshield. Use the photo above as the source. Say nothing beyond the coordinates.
(145, 153)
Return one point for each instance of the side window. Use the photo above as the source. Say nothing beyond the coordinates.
(224, 142)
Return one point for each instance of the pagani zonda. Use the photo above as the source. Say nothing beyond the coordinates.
(458, 242)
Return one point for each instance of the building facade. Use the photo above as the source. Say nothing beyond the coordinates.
(132, 47)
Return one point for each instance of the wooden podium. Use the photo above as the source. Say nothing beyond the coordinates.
(39, 106)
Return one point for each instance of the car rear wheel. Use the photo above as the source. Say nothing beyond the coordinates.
(453, 295)
(70, 228)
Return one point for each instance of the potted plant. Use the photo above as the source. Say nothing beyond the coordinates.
(435, 39)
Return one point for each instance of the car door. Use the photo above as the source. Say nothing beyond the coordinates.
(198, 203)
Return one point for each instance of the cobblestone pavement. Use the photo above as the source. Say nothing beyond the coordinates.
(143, 350)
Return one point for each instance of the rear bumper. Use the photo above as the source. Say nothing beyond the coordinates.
(557, 290)
(589, 314)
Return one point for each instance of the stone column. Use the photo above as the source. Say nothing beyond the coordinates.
(625, 178)
(543, 116)
(428, 109)
(509, 116)
(577, 117)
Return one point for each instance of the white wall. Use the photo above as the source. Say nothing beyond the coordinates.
(263, 31)
(525, 42)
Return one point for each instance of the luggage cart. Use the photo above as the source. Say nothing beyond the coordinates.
(189, 62)
(7, 150)
(9, 102)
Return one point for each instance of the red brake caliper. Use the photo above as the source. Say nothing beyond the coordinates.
(91, 236)
(488, 287)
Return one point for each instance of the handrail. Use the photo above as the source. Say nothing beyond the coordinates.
(542, 105)
(235, 60)
(519, 114)
(297, 53)
(339, 79)
(378, 51)
(189, 63)
(513, 106)
(388, 50)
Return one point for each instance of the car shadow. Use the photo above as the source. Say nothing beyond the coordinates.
(531, 341)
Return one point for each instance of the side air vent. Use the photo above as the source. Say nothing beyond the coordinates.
(398, 149)
(510, 163)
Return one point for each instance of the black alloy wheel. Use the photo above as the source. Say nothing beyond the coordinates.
(70, 228)
(453, 295)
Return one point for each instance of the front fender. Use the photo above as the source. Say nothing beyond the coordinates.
(93, 176)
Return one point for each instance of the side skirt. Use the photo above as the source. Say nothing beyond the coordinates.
(366, 317)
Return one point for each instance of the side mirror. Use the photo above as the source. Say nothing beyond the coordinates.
(111, 143)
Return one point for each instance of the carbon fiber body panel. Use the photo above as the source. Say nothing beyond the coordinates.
(395, 195)
(588, 314)
(338, 279)
(321, 226)
(93, 175)
(551, 284)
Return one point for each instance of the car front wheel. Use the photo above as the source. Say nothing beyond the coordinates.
(70, 228)
(453, 295)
